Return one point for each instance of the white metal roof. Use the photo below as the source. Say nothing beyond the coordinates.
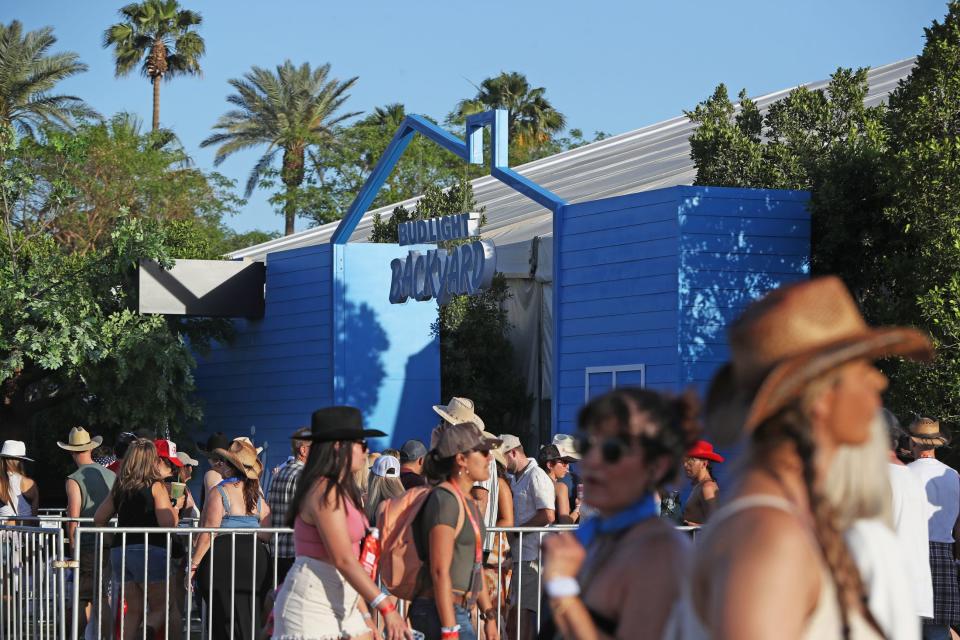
(652, 157)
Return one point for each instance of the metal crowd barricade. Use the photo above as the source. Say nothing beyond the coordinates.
(178, 621)
(31, 586)
(36, 598)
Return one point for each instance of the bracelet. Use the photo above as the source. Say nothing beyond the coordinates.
(562, 587)
(489, 614)
(387, 608)
(366, 616)
(376, 601)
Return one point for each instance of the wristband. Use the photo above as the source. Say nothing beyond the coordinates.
(387, 608)
(366, 616)
(376, 601)
(449, 633)
(563, 587)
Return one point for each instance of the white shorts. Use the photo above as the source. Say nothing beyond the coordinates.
(316, 603)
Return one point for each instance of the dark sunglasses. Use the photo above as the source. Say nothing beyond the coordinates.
(483, 451)
(363, 445)
(611, 449)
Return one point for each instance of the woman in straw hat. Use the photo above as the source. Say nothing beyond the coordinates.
(800, 384)
(233, 579)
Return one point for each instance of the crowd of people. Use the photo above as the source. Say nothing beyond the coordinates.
(836, 523)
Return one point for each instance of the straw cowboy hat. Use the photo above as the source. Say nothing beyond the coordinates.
(15, 450)
(243, 456)
(926, 431)
(249, 442)
(786, 340)
(80, 440)
(460, 410)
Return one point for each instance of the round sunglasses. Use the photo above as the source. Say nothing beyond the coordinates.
(612, 449)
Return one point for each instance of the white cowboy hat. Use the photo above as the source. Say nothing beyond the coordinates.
(80, 440)
(14, 449)
(565, 443)
(460, 410)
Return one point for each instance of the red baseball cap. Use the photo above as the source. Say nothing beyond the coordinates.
(703, 449)
(167, 449)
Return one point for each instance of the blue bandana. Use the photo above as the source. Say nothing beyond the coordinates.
(639, 511)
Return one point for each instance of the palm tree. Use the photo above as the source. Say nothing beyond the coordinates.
(27, 75)
(289, 110)
(533, 120)
(158, 36)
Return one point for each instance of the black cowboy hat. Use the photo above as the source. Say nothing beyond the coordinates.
(214, 442)
(340, 424)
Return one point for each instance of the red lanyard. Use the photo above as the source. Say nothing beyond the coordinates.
(473, 523)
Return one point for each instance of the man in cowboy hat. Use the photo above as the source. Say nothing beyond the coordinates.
(941, 485)
(87, 488)
(703, 497)
(282, 489)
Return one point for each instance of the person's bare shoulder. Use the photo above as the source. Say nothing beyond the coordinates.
(760, 559)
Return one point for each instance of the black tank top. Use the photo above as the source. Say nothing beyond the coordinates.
(136, 510)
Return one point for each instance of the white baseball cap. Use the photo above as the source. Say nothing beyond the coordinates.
(386, 467)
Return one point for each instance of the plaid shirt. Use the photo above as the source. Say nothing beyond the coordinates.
(282, 488)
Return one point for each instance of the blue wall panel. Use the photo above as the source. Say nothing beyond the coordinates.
(328, 336)
(279, 368)
(654, 278)
(387, 361)
(735, 245)
(615, 292)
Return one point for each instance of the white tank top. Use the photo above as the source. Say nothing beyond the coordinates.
(825, 622)
(18, 501)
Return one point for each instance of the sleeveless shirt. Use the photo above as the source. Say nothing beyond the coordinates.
(823, 623)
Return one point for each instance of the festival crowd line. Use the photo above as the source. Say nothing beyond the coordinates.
(834, 522)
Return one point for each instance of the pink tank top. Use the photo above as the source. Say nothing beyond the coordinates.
(307, 541)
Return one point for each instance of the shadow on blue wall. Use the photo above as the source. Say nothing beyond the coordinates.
(411, 403)
(367, 342)
(726, 262)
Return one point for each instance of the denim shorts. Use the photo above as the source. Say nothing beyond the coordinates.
(133, 568)
(425, 619)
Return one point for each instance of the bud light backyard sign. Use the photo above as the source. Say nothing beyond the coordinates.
(438, 273)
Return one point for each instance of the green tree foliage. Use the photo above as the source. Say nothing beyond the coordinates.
(28, 75)
(924, 207)
(293, 110)
(533, 120)
(73, 349)
(476, 356)
(79, 182)
(160, 38)
(337, 172)
(884, 206)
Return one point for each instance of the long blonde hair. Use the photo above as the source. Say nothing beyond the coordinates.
(381, 488)
(138, 471)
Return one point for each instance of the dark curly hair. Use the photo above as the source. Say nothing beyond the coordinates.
(675, 417)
